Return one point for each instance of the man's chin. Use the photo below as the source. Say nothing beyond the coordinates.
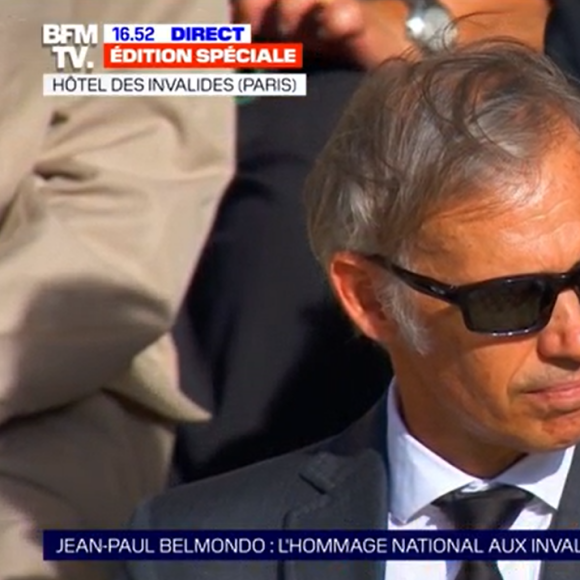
(549, 437)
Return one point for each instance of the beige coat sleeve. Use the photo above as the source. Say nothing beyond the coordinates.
(105, 206)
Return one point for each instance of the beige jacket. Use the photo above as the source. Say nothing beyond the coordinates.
(105, 204)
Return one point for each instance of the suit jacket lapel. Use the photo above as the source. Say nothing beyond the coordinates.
(351, 481)
(357, 501)
(567, 517)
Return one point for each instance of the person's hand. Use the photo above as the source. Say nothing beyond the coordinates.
(363, 32)
(367, 32)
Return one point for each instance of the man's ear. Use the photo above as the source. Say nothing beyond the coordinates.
(355, 281)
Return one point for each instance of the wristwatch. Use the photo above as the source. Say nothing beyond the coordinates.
(430, 25)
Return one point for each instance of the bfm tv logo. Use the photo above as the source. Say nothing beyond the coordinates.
(70, 44)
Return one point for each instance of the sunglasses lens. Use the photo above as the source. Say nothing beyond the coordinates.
(507, 306)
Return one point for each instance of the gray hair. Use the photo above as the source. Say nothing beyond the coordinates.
(419, 135)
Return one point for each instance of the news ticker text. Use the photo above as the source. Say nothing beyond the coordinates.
(311, 545)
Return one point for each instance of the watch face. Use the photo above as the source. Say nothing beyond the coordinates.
(432, 28)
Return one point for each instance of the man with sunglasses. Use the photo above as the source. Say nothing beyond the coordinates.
(445, 210)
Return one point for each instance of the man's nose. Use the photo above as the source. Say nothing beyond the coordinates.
(560, 339)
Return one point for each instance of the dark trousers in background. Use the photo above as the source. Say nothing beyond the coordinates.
(563, 37)
(277, 362)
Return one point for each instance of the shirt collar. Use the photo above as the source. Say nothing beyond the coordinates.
(419, 476)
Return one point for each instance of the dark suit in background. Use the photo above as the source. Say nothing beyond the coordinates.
(283, 367)
(563, 36)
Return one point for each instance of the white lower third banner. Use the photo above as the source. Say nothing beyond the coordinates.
(176, 84)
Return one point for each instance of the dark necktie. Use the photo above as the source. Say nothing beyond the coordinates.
(492, 509)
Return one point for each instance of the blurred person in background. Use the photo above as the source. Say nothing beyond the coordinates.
(281, 359)
(106, 203)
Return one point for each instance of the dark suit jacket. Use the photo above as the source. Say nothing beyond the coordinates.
(341, 483)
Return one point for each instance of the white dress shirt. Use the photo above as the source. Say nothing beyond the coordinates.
(418, 477)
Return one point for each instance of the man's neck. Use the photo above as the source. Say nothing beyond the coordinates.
(466, 453)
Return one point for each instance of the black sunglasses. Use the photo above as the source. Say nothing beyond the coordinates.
(506, 306)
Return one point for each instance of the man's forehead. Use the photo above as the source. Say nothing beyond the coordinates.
(518, 227)
(536, 226)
